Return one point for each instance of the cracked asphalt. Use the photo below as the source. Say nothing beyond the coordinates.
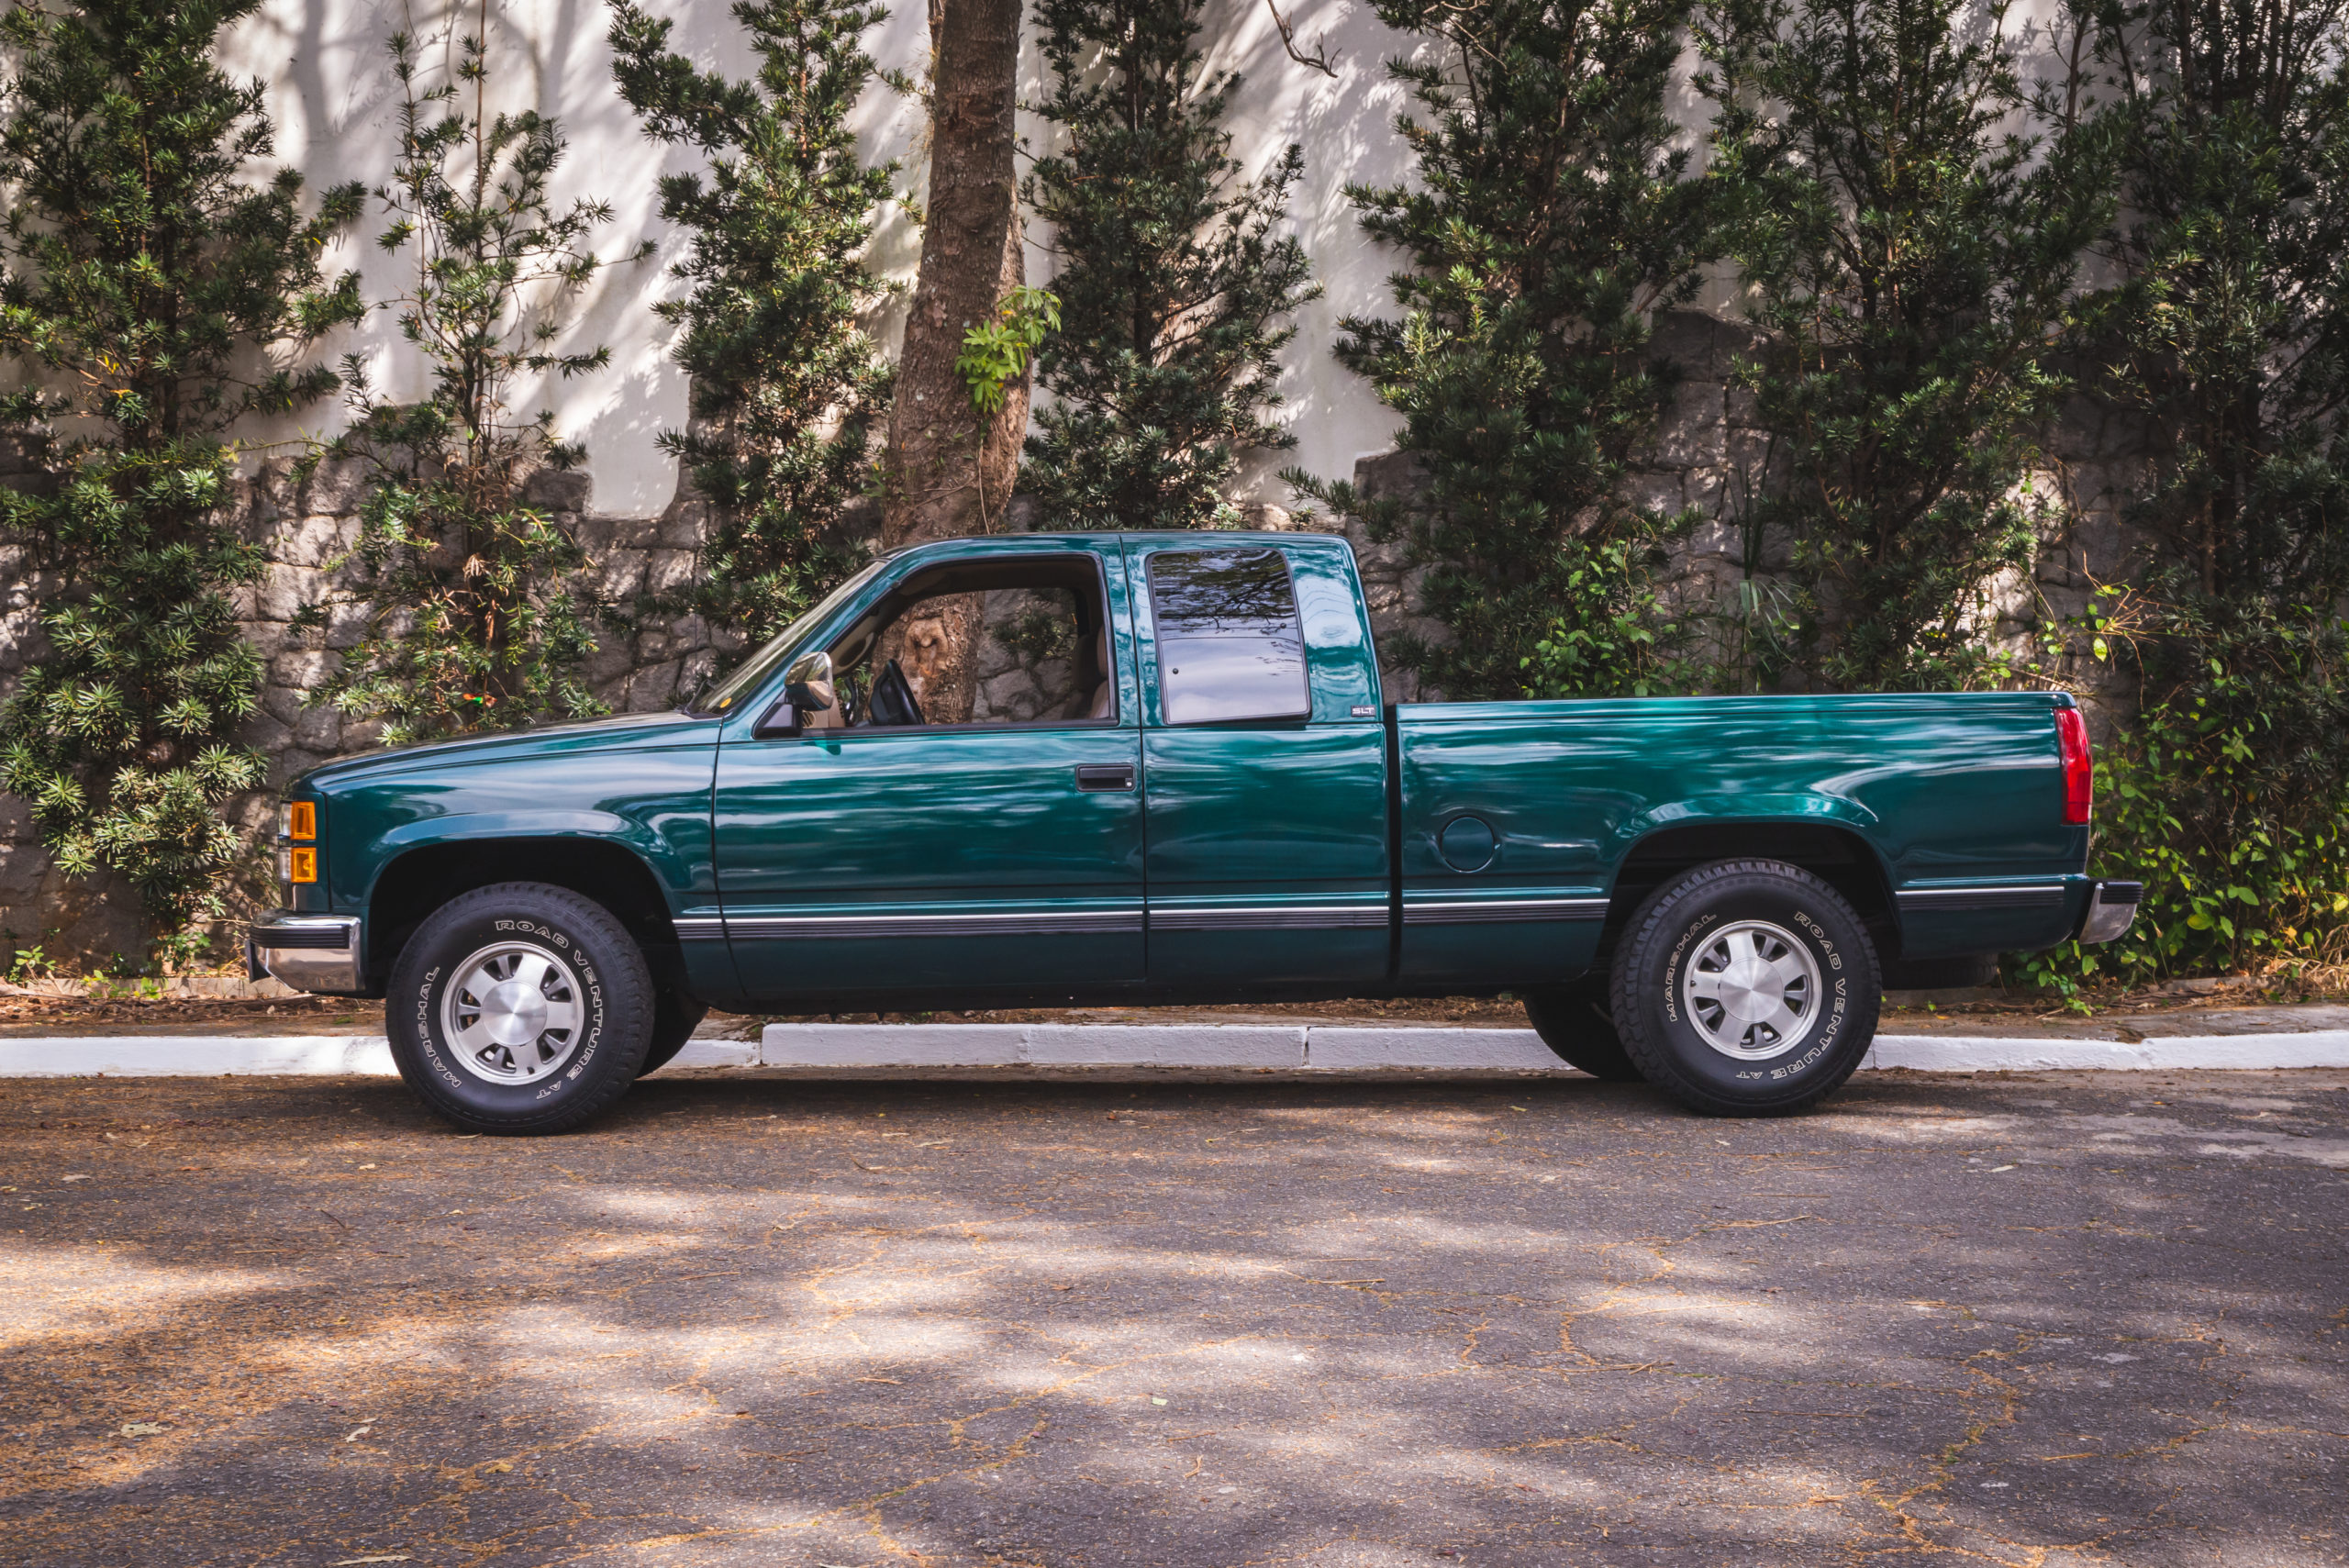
(1165, 1318)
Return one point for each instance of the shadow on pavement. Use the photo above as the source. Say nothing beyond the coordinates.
(2046, 1320)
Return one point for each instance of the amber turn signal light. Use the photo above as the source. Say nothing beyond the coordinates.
(297, 865)
(302, 819)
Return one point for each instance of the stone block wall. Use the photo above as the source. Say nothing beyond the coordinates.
(308, 527)
(1708, 455)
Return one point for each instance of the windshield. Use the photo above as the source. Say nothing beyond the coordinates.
(753, 672)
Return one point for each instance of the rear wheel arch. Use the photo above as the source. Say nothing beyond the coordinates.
(1837, 855)
(421, 880)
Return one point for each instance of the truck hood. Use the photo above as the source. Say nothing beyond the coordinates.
(628, 730)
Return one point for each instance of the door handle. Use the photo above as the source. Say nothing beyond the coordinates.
(1104, 775)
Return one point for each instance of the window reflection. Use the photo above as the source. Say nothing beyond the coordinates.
(753, 672)
(1229, 643)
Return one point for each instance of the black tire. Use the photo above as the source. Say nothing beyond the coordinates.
(674, 1018)
(1668, 1026)
(1574, 1022)
(590, 971)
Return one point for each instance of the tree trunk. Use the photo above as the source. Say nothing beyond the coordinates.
(950, 468)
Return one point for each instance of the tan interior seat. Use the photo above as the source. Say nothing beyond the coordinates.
(1105, 696)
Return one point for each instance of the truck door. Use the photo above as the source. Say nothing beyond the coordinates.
(1263, 764)
(947, 832)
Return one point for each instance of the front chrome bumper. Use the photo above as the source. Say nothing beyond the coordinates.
(309, 952)
(2112, 907)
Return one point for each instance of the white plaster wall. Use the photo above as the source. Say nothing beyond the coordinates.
(334, 105)
(334, 102)
(1346, 128)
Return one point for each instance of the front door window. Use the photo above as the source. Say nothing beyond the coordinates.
(1031, 646)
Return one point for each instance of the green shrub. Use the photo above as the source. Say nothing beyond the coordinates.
(150, 260)
(2225, 798)
(1171, 278)
(2226, 336)
(1548, 216)
(1915, 260)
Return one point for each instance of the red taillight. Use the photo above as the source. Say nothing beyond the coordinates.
(2079, 771)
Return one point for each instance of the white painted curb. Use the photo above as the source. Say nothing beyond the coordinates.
(1265, 1047)
(1032, 1045)
(256, 1056)
(1991, 1054)
(196, 1056)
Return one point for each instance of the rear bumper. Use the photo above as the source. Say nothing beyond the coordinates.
(309, 952)
(2112, 907)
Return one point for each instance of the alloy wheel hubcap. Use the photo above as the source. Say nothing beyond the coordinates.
(512, 1015)
(1752, 990)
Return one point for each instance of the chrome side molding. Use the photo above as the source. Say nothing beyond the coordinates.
(1967, 900)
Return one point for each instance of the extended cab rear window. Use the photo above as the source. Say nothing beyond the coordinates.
(1229, 643)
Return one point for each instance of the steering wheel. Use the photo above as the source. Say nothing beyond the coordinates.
(892, 700)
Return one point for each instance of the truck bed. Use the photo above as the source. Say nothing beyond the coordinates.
(1943, 810)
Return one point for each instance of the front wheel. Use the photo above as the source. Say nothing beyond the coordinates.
(520, 1008)
(674, 1018)
(1747, 988)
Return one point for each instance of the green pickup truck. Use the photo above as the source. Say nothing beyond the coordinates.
(1158, 768)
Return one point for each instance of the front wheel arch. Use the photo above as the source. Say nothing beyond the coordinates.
(420, 881)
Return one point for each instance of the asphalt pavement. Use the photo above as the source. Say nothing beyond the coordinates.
(1147, 1319)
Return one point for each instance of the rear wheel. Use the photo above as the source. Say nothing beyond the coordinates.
(1574, 1022)
(519, 1008)
(1747, 988)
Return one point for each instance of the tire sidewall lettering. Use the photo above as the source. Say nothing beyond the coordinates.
(1819, 938)
(435, 1055)
(442, 1062)
(1672, 966)
(1832, 935)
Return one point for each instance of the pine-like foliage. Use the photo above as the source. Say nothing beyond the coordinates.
(478, 619)
(1549, 214)
(2233, 329)
(787, 383)
(1172, 279)
(2230, 336)
(149, 260)
(1915, 259)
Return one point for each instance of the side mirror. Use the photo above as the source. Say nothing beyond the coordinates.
(808, 685)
